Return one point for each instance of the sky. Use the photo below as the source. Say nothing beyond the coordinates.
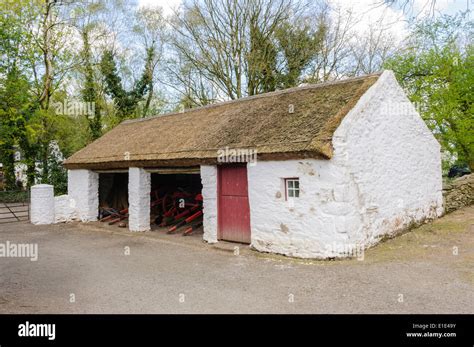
(393, 17)
(167, 5)
(444, 6)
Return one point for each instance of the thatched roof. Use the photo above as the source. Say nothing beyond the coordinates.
(263, 123)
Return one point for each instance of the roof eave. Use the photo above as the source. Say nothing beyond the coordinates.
(189, 162)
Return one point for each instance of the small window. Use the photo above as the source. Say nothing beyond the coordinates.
(292, 186)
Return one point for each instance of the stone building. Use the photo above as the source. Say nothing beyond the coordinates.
(314, 171)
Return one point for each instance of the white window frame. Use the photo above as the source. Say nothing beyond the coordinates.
(292, 188)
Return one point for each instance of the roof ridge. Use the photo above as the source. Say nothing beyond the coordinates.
(254, 97)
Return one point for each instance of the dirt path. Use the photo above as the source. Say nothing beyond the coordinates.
(428, 270)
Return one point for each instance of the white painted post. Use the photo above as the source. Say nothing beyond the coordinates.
(139, 187)
(83, 189)
(209, 194)
(42, 204)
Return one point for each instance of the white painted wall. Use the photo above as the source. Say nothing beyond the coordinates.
(42, 204)
(139, 187)
(310, 225)
(64, 209)
(392, 158)
(83, 189)
(209, 194)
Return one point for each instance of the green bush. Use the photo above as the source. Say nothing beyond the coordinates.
(14, 196)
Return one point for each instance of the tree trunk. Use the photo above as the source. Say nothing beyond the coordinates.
(47, 58)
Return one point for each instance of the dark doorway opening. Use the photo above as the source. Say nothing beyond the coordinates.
(176, 203)
(113, 193)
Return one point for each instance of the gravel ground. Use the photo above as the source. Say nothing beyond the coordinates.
(428, 270)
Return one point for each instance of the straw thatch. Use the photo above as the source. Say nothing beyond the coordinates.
(263, 123)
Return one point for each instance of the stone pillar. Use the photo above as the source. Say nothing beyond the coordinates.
(42, 204)
(139, 187)
(83, 189)
(209, 194)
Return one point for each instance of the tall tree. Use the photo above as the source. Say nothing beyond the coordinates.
(126, 101)
(89, 92)
(16, 104)
(50, 60)
(262, 61)
(14, 109)
(151, 29)
(87, 22)
(300, 44)
(233, 46)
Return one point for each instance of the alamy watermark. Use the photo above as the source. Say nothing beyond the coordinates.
(74, 108)
(349, 250)
(237, 155)
(401, 107)
(28, 329)
(19, 250)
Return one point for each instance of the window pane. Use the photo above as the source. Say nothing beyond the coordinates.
(292, 187)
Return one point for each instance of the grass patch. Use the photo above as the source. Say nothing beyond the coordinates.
(432, 239)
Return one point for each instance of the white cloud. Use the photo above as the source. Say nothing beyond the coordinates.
(394, 18)
(167, 5)
(374, 13)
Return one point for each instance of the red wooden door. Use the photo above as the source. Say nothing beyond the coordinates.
(233, 211)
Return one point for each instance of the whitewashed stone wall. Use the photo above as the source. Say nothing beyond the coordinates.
(48, 209)
(209, 193)
(385, 176)
(83, 189)
(64, 209)
(42, 204)
(311, 226)
(392, 159)
(139, 187)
